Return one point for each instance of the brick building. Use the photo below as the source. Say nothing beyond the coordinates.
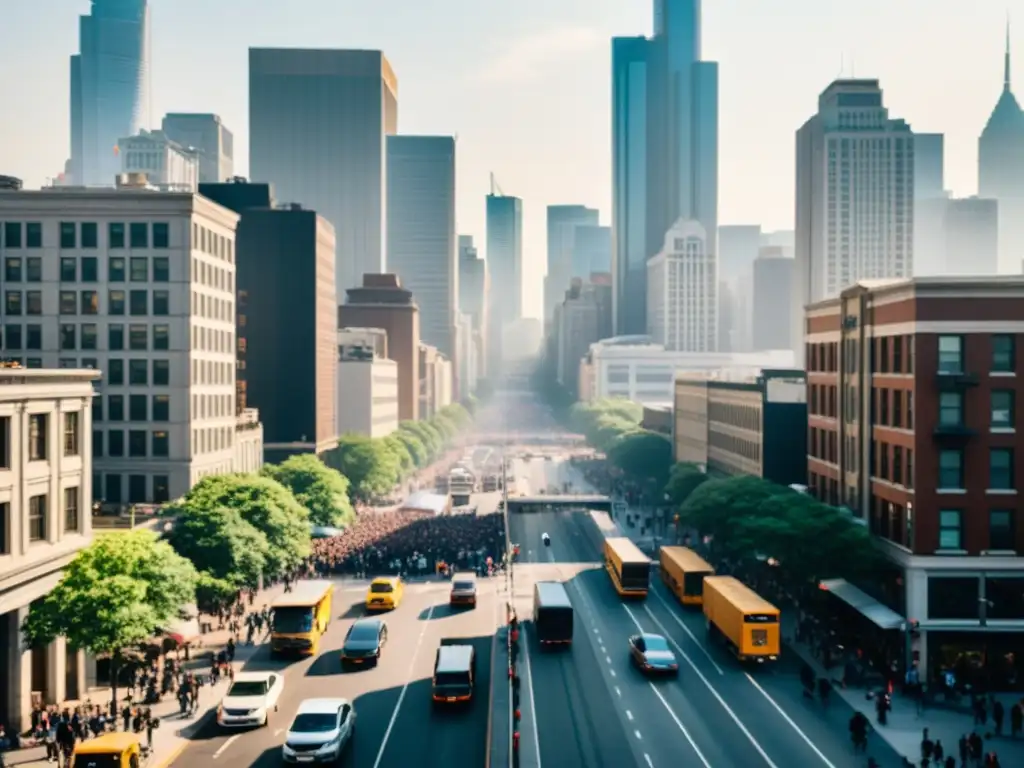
(912, 390)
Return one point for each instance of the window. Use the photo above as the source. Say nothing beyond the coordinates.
(138, 337)
(950, 529)
(97, 408)
(161, 445)
(67, 336)
(115, 302)
(89, 332)
(1002, 533)
(161, 235)
(90, 303)
(1004, 358)
(115, 269)
(115, 407)
(5, 442)
(161, 489)
(12, 333)
(33, 337)
(71, 518)
(1002, 408)
(97, 443)
(138, 373)
(37, 518)
(68, 232)
(139, 269)
(12, 270)
(138, 302)
(161, 269)
(68, 269)
(951, 409)
(115, 235)
(37, 424)
(137, 408)
(115, 337)
(161, 337)
(161, 373)
(1000, 469)
(136, 488)
(34, 269)
(137, 443)
(138, 233)
(91, 363)
(68, 303)
(90, 269)
(115, 448)
(951, 469)
(33, 302)
(12, 234)
(71, 433)
(161, 408)
(12, 301)
(161, 303)
(33, 235)
(89, 234)
(115, 372)
(951, 354)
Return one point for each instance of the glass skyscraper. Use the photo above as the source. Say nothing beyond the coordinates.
(505, 266)
(109, 87)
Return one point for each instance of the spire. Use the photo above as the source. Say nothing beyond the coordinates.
(1006, 59)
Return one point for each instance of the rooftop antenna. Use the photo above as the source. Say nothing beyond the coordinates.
(1006, 58)
(495, 189)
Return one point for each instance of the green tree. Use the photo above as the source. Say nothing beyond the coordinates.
(268, 507)
(396, 447)
(219, 542)
(471, 403)
(417, 450)
(213, 594)
(459, 415)
(683, 479)
(643, 456)
(321, 490)
(445, 427)
(427, 434)
(118, 592)
(370, 467)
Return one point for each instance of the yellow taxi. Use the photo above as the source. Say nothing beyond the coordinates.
(385, 593)
(109, 750)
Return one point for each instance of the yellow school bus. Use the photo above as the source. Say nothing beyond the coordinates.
(740, 618)
(629, 568)
(683, 571)
(300, 618)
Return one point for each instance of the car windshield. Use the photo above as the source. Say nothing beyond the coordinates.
(656, 644)
(248, 688)
(293, 620)
(382, 587)
(462, 585)
(363, 632)
(314, 722)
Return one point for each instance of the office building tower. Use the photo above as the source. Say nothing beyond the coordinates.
(473, 291)
(562, 221)
(772, 300)
(682, 291)
(505, 269)
(317, 122)
(421, 239)
(579, 320)
(631, 62)
(971, 237)
(1001, 169)
(368, 385)
(382, 302)
(738, 246)
(591, 251)
(140, 285)
(286, 318)
(930, 200)
(929, 165)
(854, 196)
(110, 83)
(207, 136)
(164, 163)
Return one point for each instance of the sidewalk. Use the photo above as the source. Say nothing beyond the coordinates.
(174, 732)
(904, 729)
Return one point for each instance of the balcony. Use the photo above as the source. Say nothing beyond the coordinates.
(953, 432)
(952, 380)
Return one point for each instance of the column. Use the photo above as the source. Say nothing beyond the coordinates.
(75, 677)
(18, 671)
(56, 672)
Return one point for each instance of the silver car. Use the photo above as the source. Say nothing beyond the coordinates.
(320, 731)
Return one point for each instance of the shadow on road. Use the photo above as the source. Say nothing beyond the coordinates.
(442, 611)
(325, 664)
(354, 611)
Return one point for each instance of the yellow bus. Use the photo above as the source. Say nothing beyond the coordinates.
(300, 618)
(629, 568)
(683, 572)
(740, 618)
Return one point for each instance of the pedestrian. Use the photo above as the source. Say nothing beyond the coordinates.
(231, 649)
(126, 715)
(965, 749)
(976, 746)
(950, 762)
(151, 724)
(997, 716)
(927, 747)
(938, 752)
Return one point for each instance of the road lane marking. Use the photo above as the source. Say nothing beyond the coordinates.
(680, 726)
(529, 690)
(637, 734)
(608, 659)
(629, 715)
(685, 629)
(789, 720)
(612, 671)
(278, 731)
(618, 692)
(405, 688)
(710, 687)
(648, 759)
(226, 744)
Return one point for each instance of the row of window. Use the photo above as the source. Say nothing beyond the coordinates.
(1002, 353)
(1002, 405)
(741, 416)
(38, 519)
(1002, 530)
(136, 234)
(822, 400)
(141, 443)
(822, 357)
(895, 354)
(39, 437)
(137, 269)
(1001, 470)
(892, 408)
(140, 408)
(136, 302)
(823, 444)
(893, 463)
(109, 488)
(892, 354)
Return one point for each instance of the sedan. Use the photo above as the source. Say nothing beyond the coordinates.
(364, 642)
(250, 699)
(320, 731)
(651, 653)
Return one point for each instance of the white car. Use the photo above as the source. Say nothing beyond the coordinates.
(250, 699)
(320, 731)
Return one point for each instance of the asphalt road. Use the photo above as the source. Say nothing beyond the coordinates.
(594, 709)
(396, 725)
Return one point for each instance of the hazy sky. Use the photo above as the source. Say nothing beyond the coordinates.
(525, 84)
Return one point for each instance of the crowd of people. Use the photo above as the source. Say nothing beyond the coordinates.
(412, 543)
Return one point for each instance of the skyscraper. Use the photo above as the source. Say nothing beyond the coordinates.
(562, 223)
(421, 244)
(211, 140)
(930, 202)
(682, 291)
(109, 87)
(591, 251)
(473, 293)
(505, 267)
(854, 196)
(317, 122)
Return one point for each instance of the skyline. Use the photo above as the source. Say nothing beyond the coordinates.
(904, 47)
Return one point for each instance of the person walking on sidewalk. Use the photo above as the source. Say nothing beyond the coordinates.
(927, 748)
(997, 716)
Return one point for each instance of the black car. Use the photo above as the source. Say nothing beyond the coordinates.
(651, 653)
(364, 642)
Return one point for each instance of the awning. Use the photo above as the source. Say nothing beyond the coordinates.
(865, 605)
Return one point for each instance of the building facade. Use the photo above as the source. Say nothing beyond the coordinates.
(912, 395)
(562, 221)
(474, 288)
(110, 86)
(45, 519)
(772, 299)
(287, 310)
(383, 303)
(577, 321)
(738, 248)
(209, 138)
(505, 268)
(682, 291)
(971, 230)
(139, 285)
(317, 126)
(367, 394)
(435, 381)
(591, 251)
(164, 162)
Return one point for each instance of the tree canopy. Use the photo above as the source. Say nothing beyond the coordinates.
(368, 464)
(642, 456)
(683, 479)
(321, 490)
(220, 543)
(603, 422)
